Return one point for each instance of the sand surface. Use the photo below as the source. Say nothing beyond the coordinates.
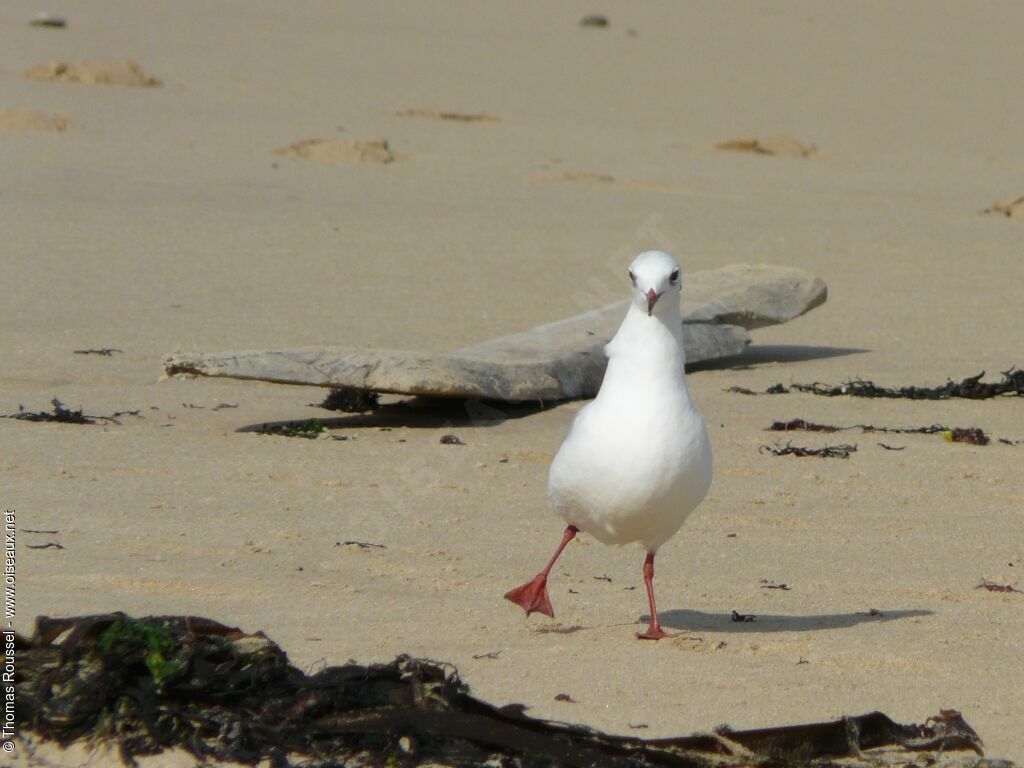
(164, 220)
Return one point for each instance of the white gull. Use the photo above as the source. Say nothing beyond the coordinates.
(637, 460)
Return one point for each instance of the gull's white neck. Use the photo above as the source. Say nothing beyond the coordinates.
(647, 351)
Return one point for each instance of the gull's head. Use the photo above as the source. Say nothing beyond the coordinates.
(656, 281)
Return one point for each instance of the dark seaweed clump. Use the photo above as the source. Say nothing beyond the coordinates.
(971, 388)
(826, 452)
(309, 429)
(59, 414)
(158, 682)
(349, 400)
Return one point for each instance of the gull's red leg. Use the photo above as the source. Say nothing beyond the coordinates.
(533, 595)
(654, 632)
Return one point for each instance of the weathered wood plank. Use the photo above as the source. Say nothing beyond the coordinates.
(555, 361)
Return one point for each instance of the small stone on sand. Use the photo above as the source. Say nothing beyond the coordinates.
(44, 19)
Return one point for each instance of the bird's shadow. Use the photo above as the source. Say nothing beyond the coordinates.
(700, 621)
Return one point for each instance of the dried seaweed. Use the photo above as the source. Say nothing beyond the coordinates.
(827, 452)
(992, 586)
(349, 400)
(929, 430)
(971, 388)
(60, 414)
(151, 684)
(451, 440)
(774, 389)
(309, 429)
(971, 435)
(137, 412)
(360, 544)
(807, 426)
(742, 391)
(103, 352)
(494, 655)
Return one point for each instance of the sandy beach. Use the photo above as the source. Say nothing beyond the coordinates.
(426, 176)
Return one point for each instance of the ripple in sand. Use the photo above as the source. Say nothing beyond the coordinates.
(25, 119)
(340, 151)
(1010, 208)
(588, 177)
(125, 72)
(776, 146)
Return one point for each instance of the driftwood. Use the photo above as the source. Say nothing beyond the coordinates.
(556, 361)
(178, 681)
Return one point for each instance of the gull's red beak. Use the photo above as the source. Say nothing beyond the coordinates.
(652, 299)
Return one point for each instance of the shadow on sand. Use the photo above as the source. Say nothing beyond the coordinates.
(442, 413)
(762, 354)
(417, 413)
(699, 621)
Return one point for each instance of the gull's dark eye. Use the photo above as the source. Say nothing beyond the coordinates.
(632, 277)
(674, 277)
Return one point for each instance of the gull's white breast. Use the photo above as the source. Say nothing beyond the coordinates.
(633, 469)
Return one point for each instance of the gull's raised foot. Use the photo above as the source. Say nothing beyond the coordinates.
(532, 596)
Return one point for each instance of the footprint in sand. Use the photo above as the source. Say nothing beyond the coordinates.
(1010, 208)
(775, 146)
(127, 73)
(437, 114)
(26, 119)
(589, 177)
(585, 176)
(340, 151)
